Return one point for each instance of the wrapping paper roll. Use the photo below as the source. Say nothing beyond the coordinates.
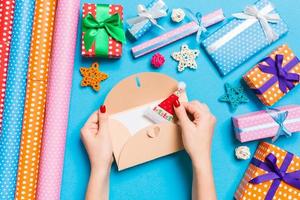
(15, 97)
(6, 20)
(35, 102)
(58, 99)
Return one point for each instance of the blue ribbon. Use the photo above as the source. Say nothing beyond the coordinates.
(279, 117)
(202, 31)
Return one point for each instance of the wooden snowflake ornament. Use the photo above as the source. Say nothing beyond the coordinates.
(92, 76)
(186, 57)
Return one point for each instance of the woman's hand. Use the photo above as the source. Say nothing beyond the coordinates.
(197, 125)
(96, 139)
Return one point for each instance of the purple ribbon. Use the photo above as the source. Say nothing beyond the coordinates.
(280, 74)
(275, 173)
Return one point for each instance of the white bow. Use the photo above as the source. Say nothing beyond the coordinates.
(158, 10)
(251, 12)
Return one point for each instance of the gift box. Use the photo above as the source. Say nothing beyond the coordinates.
(139, 25)
(244, 35)
(272, 174)
(268, 123)
(274, 76)
(102, 30)
(178, 33)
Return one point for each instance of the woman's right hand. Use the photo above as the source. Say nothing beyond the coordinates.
(197, 124)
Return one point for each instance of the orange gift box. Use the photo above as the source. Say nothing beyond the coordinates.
(274, 76)
(272, 174)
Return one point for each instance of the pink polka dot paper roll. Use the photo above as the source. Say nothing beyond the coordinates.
(58, 98)
(259, 125)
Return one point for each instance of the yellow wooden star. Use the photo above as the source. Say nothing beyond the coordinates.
(92, 76)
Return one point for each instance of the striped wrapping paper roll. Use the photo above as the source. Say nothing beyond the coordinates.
(15, 97)
(35, 102)
(58, 98)
(6, 20)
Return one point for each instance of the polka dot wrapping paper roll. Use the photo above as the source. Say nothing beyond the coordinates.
(6, 20)
(268, 84)
(256, 184)
(15, 97)
(35, 102)
(58, 99)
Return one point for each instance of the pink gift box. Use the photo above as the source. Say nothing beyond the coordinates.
(259, 125)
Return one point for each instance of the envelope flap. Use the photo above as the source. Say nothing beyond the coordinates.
(139, 89)
(119, 136)
(150, 143)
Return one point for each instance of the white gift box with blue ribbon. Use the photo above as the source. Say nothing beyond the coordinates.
(244, 35)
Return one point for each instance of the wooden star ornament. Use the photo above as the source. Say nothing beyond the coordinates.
(234, 96)
(186, 57)
(92, 76)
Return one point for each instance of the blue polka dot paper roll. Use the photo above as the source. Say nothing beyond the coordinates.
(246, 34)
(15, 97)
(138, 26)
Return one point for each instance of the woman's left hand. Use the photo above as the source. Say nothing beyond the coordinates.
(96, 139)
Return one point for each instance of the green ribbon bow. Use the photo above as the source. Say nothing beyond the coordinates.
(98, 30)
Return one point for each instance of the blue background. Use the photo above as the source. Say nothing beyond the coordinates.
(171, 177)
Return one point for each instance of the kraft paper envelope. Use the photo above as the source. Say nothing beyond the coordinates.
(136, 139)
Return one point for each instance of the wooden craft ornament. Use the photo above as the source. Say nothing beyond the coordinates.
(92, 76)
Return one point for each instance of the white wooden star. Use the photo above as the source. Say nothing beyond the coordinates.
(186, 58)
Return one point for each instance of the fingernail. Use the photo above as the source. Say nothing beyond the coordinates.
(176, 103)
(103, 109)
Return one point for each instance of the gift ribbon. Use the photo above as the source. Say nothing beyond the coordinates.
(285, 79)
(275, 173)
(280, 119)
(102, 27)
(251, 12)
(151, 14)
(280, 74)
(251, 16)
(202, 31)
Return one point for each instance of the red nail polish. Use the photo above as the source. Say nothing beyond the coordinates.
(103, 109)
(176, 103)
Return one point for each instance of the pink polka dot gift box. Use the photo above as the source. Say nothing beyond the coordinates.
(273, 173)
(275, 122)
(102, 30)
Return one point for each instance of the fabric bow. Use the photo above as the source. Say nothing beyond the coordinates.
(202, 31)
(251, 12)
(158, 10)
(102, 29)
(279, 117)
(275, 173)
(285, 79)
